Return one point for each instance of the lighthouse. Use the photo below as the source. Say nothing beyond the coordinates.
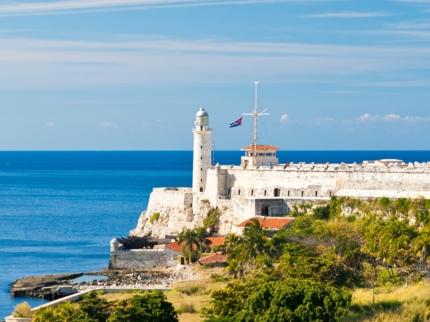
(202, 150)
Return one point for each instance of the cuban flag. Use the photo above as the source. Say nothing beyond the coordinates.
(237, 123)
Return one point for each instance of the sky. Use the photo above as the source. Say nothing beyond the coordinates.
(131, 74)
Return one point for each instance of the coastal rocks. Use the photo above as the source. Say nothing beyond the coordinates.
(141, 279)
(49, 287)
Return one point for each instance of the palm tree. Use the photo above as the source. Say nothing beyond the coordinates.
(421, 245)
(255, 242)
(202, 235)
(231, 242)
(67, 311)
(48, 314)
(188, 239)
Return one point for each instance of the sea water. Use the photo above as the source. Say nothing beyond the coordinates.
(59, 210)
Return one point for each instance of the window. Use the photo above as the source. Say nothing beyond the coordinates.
(265, 211)
(330, 193)
(201, 189)
(201, 169)
(201, 158)
(201, 146)
(201, 180)
(252, 192)
(228, 192)
(302, 193)
(238, 192)
(316, 193)
(265, 192)
(288, 193)
(277, 192)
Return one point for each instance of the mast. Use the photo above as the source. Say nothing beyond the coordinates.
(255, 114)
(255, 122)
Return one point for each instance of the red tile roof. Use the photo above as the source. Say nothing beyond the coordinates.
(218, 240)
(260, 148)
(270, 222)
(214, 258)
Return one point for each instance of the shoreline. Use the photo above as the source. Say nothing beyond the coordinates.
(52, 287)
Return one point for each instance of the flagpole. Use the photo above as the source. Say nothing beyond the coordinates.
(256, 115)
(255, 122)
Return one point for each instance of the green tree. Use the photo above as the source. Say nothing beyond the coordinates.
(212, 219)
(201, 236)
(148, 307)
(48, 314)
(95, 307)
(273, 301)
(188, 238)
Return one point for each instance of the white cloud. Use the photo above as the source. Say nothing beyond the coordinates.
(322, 120)
(156, 60)
(349, 14)
(364, 117)
(71, 6)
(409, 25)
(106, 124)
(416, 119)
(283, 118)
(49, 123)
(391, 117)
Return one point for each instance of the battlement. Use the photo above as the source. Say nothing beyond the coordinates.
(365, 166)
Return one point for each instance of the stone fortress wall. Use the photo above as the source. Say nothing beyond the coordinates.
(243, 193)
(260, 186)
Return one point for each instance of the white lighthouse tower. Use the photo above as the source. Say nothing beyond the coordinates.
(202, 150)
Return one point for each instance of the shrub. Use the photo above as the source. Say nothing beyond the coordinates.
(155, 217)
(205, 201)
(186, 308)
(384, 202)
(217, 278)
(322, 213)
(22, 310)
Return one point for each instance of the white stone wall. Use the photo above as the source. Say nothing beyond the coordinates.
(297, 183)
(325, 181)
(175, 208)
(201, 158)
(143, 258)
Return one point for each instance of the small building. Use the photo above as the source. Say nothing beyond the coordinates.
(216, 259)
(259, 155)
(212, 241)
(271, 223)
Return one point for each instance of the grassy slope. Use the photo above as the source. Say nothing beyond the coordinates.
(177, 297)
(392, 304)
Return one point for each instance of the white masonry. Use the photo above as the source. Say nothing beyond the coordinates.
(202, 150)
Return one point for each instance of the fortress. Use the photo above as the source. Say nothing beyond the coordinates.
(261, 186)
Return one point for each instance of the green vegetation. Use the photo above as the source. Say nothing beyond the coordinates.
(147, 306)
(22, 310)
(369, 265)
(212, 219)
(380, 242)
(155, 217)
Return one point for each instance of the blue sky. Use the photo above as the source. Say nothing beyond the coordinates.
(131, 74)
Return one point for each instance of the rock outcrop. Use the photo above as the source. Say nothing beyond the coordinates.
(49, 287)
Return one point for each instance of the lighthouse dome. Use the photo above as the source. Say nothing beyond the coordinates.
(202, 112)
(202, 117)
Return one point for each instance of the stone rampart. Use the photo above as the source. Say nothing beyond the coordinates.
(142, 258)
(173, 205)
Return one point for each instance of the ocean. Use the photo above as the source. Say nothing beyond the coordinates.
(59, 210)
